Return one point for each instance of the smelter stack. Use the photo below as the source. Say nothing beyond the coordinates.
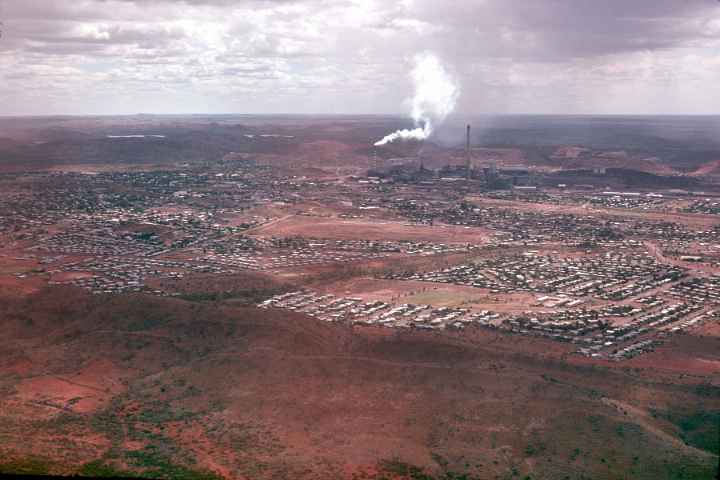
(467, 153)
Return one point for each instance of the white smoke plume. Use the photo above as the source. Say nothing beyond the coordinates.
(436, 93)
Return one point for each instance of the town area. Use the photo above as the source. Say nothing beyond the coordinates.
(464, 246)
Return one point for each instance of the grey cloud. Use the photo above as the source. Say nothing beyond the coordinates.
(554, 30)
(539, 55)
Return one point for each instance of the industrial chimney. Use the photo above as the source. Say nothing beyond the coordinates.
(467, 153)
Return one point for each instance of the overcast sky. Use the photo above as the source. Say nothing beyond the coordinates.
(353, 56)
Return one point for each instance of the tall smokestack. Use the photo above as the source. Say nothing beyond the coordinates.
(467, 152)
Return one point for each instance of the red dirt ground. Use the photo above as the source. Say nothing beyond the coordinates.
(270, 394)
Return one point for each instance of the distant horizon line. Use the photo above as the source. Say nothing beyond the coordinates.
(389, 115)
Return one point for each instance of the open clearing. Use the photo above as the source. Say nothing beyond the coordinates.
(341, 229)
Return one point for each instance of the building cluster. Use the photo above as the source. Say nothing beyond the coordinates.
(517, 225)
(707, 206)
(98, 242)
(611, 276)
(536, 226)
(646, 202)
(608, 199)
(279, 259)
(698, 289)
(330, 308)
(271, 253)
(614, 331)
(123, 274)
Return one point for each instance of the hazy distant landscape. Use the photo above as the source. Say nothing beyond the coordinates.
(683, 144)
